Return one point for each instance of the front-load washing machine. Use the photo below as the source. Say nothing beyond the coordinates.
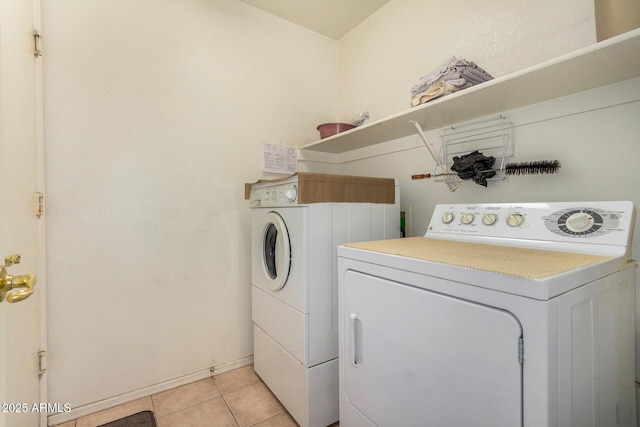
(296, 225)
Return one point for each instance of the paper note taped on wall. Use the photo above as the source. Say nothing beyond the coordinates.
(280, 158)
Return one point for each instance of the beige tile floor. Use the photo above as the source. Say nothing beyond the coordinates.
(236, 398)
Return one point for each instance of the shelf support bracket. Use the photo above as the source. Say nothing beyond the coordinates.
(424, 139)
(450, 179)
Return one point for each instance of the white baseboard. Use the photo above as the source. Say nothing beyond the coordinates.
(145, 392)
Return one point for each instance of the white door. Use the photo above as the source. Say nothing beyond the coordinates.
(20, 321)
(418, 358)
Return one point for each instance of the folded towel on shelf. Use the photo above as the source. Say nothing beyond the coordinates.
(477, 74)
(435, 91)
(458, 73)
(432, 77)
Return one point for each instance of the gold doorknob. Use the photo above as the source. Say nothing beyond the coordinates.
(7, 283)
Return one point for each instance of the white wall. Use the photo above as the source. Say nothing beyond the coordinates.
(383, 57)
(154, 116)
(594, 134)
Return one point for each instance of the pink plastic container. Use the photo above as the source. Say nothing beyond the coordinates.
(329, 129)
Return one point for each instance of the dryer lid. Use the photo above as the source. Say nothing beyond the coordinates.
(513, 261)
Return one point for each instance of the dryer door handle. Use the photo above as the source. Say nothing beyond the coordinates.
(355, 341)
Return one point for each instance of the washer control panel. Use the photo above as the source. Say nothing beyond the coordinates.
(587, 222)
(274, 195)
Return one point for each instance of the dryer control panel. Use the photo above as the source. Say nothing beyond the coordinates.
(583, 222)
(603, 223)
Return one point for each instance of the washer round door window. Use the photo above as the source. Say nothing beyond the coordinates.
(276, 251)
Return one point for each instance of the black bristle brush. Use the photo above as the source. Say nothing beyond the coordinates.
(522, 168)
(532, 168)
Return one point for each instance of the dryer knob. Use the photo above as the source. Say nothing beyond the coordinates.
(489, 219)
(515, 220)
(467, 218)
(579, 221)
(447, 217)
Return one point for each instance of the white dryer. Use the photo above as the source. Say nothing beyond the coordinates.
(501, 315)
(296, 225)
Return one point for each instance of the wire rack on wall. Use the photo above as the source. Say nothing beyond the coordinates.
(491, 137)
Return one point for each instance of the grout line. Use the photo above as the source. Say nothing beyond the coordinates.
(229, 407)
(190, 406)
(230, 411)
(153, 408)
(187, 407)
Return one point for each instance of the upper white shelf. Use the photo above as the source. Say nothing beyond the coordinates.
(610, 61)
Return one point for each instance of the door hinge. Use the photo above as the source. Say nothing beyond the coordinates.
(521, 350)
(40, 210)
(37, 43)
(42, 363)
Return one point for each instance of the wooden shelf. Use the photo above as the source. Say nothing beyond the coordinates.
(610, 61)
